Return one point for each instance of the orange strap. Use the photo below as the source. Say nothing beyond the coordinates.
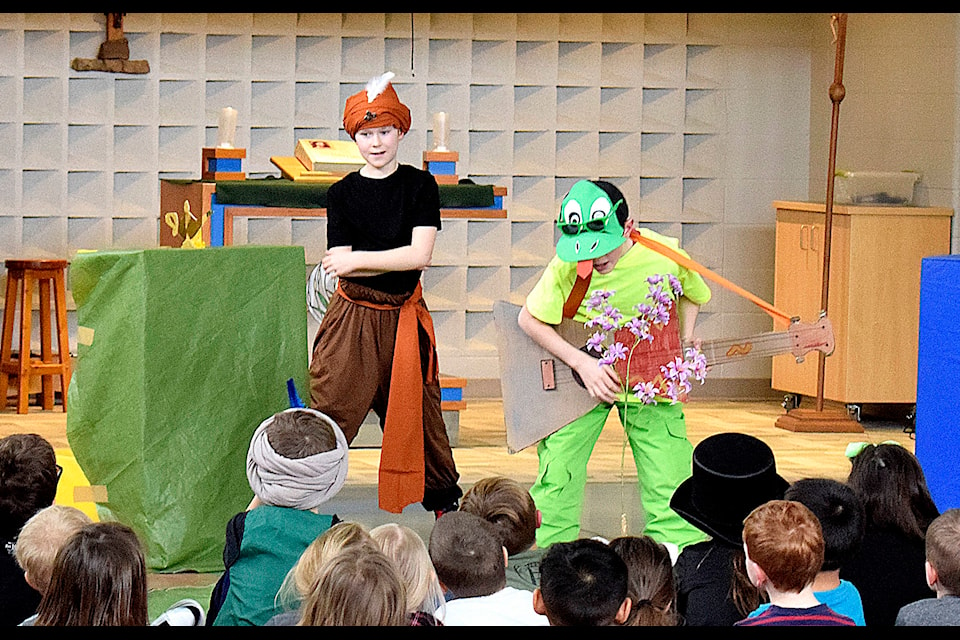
(402, 473)
(684, 261)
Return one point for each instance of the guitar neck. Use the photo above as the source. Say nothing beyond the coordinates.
(731, 349)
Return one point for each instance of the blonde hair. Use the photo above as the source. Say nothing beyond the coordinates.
(406, 549)
(41, 538)
(302, 577)
(357, 587)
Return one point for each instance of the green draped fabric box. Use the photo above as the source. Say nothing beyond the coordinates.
(181, 354)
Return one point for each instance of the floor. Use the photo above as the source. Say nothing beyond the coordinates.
(611, 491)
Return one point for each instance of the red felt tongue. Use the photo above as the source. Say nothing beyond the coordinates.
(584, 268)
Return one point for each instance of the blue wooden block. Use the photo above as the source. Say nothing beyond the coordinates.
(938, 386)
(225, 164)
(442, 168)
(216, 222)
(451, 394)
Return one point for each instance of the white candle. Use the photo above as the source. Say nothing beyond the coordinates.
(441, 131)
(227, 128)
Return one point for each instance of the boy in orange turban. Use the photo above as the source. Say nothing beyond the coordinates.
(375, 348)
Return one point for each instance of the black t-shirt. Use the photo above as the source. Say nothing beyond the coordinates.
(18, 600)
(377, 214)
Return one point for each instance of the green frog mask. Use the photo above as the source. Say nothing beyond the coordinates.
(588, 223)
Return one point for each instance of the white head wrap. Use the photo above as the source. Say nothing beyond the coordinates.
(300, 483)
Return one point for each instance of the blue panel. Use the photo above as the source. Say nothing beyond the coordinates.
(216, 221)
(938, 385)
(451, 394)
(224, 164)
(443, 168)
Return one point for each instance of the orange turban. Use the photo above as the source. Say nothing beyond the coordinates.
(377, 105)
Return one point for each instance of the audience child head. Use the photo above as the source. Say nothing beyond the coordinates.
(509, 506)
(784, 547)
(406, 549)
(943, 553)
(651, 586)
(42, 537)
(356, 587)
(467, 555)
(28, 480)
(840, 513)
(302, 577)
(297, 458)
(893, 489)
(99, 578)
(582, 583)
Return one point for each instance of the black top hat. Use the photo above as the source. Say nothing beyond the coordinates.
(733, 473)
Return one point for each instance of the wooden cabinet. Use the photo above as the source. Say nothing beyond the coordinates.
(874, 295)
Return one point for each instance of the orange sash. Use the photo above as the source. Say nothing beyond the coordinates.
(402, 473)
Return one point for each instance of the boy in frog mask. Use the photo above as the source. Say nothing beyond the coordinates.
(595, 243)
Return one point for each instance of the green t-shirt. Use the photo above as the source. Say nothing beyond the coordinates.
(628, 278)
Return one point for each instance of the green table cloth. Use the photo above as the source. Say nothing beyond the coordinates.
(280, 192)
(181, 354)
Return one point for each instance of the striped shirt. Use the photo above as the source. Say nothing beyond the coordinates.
(818, 616)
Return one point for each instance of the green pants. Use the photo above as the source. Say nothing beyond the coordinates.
(658, 437)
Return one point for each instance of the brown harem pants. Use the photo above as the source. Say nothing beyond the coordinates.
(350, 374)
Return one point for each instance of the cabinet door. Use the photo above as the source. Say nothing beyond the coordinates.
(797, 288)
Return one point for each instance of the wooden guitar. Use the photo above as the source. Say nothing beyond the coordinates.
(541, 394)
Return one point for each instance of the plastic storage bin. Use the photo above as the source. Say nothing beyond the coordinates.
(875, 187)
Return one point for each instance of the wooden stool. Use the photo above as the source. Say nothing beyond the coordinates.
(24, 366)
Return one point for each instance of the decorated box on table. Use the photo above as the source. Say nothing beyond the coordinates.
(181, 354)
(334, 156)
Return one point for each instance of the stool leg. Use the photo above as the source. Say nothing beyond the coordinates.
(9, 314)
(26, 322)
(46, 381)
(63, 337)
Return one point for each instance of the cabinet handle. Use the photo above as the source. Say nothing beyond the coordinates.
(814, 243)
(804, 235)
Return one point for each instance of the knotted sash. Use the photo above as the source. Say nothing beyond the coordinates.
(402, 473)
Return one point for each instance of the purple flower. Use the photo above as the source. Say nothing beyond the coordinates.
(646, 392)
(698, 363)
(661, 297)
(676, 368)
(595, 343)
(662, 316)
(675, 285)
(605, 323)
(598, 298)
(613, 314)
(655, 280)
(617, 351)
(640, 327)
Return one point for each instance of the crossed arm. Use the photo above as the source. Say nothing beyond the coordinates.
(343, 261)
